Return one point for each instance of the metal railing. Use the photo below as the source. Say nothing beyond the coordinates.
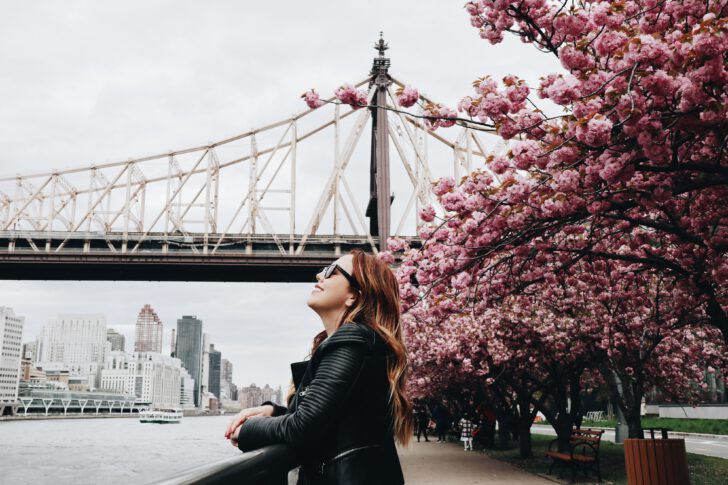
(269, 465)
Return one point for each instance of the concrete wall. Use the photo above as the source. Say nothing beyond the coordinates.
(719, 411)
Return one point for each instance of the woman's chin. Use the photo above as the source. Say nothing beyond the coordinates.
(312, 302)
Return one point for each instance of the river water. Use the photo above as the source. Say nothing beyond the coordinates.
(108, 451)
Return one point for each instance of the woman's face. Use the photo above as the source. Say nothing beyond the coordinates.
(334, 293)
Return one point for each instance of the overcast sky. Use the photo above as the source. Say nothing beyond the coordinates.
(88, 82)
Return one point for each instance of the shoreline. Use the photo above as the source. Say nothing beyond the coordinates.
(37, 417)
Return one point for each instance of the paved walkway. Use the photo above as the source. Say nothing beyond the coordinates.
(446, 463)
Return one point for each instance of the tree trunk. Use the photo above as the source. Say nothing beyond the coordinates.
(634, 423)
(504, 431)
(524, 428)
(562, 426)
(633, 414)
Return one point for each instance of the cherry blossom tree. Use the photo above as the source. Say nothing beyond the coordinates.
(596, 245)
(636, 167)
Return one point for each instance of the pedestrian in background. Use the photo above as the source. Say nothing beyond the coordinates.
(466, 432)
(442, 419)
(423, 420)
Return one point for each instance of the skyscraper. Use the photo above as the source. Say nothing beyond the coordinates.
(214, 380)
(189, 350)
(116, 340)
(226, 380)
(74, 342)
(205, 366)
(11, 341)
(148, 336)
(173, 343)
(152, 377)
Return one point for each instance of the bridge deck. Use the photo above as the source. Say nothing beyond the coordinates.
(29, 256)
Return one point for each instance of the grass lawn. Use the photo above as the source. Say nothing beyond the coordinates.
(709, 426)
(704, 470)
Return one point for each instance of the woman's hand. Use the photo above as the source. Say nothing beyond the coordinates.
(234, 436)
(242, 416)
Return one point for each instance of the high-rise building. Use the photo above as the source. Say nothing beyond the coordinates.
(226, 379)
(173, 343)
(29, 351)
(270, 394)
(11, 342)
(186, 392)
(74, 342)
(189, 350)
(148, 335)
(253, 395)
(205, 377)
(214, 375)
(116, 339)
(150, 376)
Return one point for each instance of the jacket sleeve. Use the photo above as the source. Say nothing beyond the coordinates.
(278, 410)
(341, 362)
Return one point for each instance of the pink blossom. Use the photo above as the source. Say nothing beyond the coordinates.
(348, 94)
(595, 132)
(312, 99)
(407, 96)
(560, 89)
(567, 181)
(453, 201)
(610, 41)
(525, 154)
(572, 59)
(386, 256)
(397, 244)
(427, 214)
(438, 115)
(499, 165)
(443, 186)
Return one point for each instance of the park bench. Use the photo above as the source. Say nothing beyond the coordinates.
(583, 452)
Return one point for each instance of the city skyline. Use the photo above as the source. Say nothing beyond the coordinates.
(68, 348)
(244, 345)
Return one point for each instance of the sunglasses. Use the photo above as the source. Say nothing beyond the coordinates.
(329, 270)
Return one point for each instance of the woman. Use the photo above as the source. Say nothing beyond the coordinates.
(350, 402)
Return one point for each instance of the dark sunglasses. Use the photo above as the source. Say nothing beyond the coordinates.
(329, 270)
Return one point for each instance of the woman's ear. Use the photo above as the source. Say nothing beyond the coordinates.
(350, 301)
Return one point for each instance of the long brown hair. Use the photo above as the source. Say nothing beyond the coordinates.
(377, 306)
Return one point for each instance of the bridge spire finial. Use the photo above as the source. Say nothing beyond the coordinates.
(380, 67)
(381, 46)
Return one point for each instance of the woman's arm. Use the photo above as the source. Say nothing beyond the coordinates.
(335, 376)
(278, 410)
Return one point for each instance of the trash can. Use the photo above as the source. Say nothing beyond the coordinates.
(656, 461)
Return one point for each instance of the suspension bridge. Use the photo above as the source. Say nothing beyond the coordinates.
(252, 207)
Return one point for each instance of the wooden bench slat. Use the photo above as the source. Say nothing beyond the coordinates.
(568, 457)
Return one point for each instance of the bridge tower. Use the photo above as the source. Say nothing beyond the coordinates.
(380, 200)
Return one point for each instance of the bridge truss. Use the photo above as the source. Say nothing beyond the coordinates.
(270, 204)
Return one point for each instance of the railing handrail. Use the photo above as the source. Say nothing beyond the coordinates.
(266, 466)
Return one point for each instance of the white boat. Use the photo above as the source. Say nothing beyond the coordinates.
(160, 416)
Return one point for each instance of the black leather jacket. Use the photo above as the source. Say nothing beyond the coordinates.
(339, 421)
